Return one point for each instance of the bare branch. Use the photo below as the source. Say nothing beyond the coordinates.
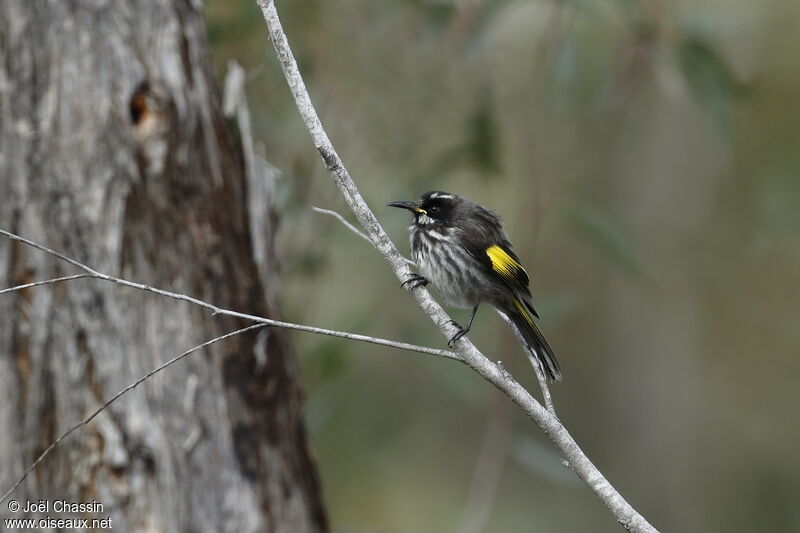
(540, 377)
(83, 267)
(114, 398)
(622, 510)
(91, 273)
(352, 227)
(45, 282)
(260, 323)
(343, 221)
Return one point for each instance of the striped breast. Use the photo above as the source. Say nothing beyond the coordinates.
(451, 270)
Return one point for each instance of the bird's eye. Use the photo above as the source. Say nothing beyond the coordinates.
(433, 209)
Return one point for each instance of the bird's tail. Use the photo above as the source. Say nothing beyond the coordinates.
(522, 320)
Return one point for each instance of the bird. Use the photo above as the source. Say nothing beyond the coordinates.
(461, 249)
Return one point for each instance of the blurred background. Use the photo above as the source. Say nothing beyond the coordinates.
(644, 155)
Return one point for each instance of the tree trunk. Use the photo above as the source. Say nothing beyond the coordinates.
(113, 150)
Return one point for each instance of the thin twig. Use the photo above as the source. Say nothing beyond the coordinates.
(343, 221)
(45, 282)
(537, 367)
(92, 273)
(260, 323)
(114, 398)
(352, 227)
(38, 246)
(622, 510)
(541, 378)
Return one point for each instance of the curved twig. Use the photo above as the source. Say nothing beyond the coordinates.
(351, 227)
(114, 398)
(343, 220)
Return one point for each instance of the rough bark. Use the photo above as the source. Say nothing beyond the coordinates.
(113, 150)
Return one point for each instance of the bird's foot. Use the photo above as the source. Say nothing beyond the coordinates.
(414, 281)
(461, 332)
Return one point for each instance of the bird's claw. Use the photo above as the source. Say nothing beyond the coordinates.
(461, 332)
(414, 281)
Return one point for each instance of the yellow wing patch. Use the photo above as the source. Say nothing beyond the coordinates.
(508, 268)
(504, 264)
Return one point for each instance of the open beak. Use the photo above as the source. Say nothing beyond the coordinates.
(411, 206)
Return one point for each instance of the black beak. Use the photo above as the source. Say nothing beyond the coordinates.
(411, 206)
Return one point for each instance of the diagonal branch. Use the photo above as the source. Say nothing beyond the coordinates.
(114, 398)
(92, 273)
(583, 467)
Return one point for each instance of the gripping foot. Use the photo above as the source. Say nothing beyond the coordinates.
(414, 281)
(462, 330)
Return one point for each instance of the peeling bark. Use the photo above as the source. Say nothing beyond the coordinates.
(113, 150)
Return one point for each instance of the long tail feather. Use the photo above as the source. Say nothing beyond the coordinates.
(522, 321)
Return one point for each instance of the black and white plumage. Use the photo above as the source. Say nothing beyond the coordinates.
(461, 249)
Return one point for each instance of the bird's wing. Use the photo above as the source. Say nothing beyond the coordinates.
(506, 265)
(485, 240)
(496, 255)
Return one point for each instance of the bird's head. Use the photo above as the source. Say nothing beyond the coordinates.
(433, 207)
